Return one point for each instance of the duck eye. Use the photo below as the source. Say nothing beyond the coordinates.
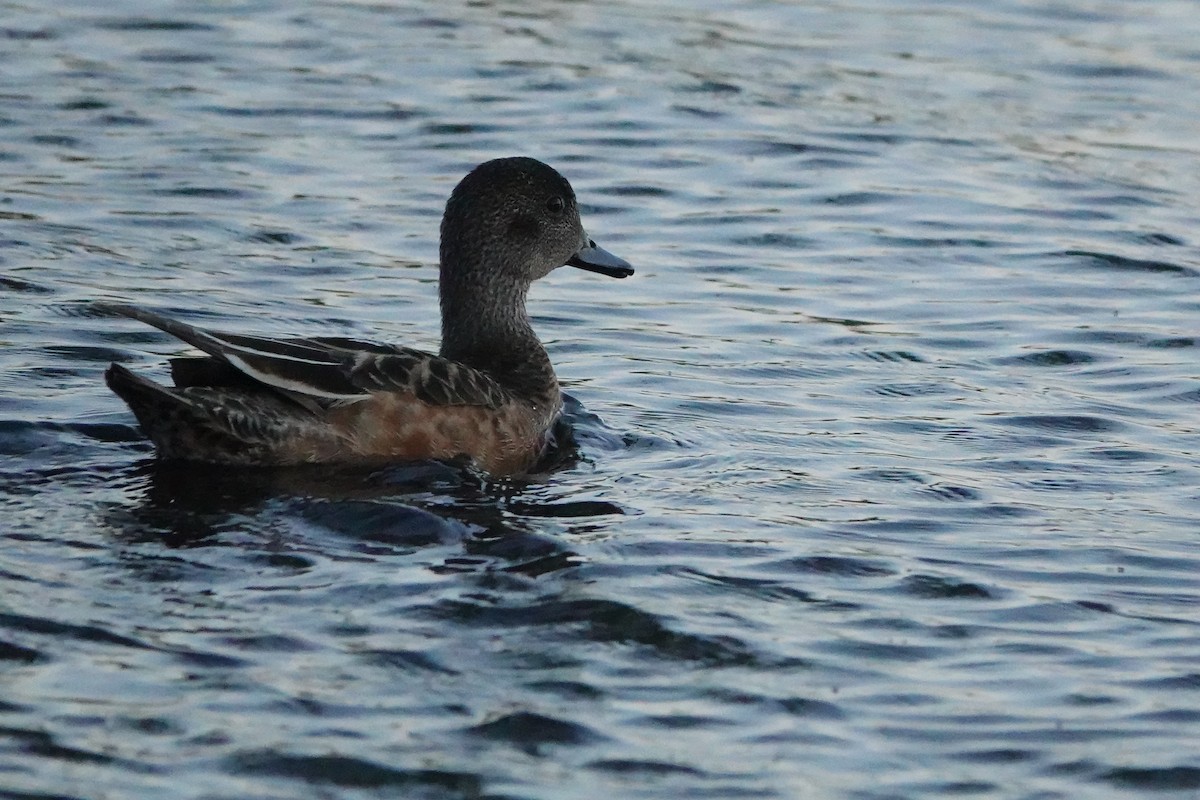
(555, 204)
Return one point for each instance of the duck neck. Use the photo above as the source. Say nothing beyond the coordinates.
(485, 326)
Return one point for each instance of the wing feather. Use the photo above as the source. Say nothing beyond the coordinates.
(317, 371)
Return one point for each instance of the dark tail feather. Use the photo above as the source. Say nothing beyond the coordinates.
(200, 339)
(139, 393)
(176, 426)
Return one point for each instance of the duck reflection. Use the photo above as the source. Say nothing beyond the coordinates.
(379, 511)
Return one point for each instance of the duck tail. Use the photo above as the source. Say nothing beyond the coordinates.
(167, 417)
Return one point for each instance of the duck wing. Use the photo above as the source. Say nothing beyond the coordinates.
(322, 371)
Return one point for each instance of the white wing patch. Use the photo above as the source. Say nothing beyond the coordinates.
(287, 384)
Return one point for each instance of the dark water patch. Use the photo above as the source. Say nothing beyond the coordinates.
(353, 773)
(950, 492)
(1092, 605)
(883, 652)
(1156, 779)
(932, 243)
(696, 111)
(518, 551)
(1161, 239)
(202, 192)
(1051, 612)
(809, 708)
(53, 140)
(767, 148)
(459, 128)
(681, 721)
(909, 389)
(176, 57)
(1123, 455)
(84, 104)
(958, 343)
(388, 114)
(8, 794)
(1125, 264)
(58, 630)
(858, 199)
(1187, 682)
(1190, 396)
(1003, 755)
(1050, 358)
(89, 354)
(756, 587)
(952, 788)
(1070, 214)
(1105, 71)
(570, 690)
(644, 768)
(1175, 717)
(892, 475)
(1107, 336)
(9, 575)
(604, 621)
(154, 726)
(734, 552)
(873, 137)
(710, 86)
(123, 120)
(1061, 423)
(410, 661)
(635, 190)
(1081, 767)
(18, 216)
(1068, 485)
(11, 651)
(545, 564)
(893, 356)
(9, 283)
(621, 142)
(938, 587)
(435, 23)
(1120, 200)
(1063, 11)
(368, 507)
(206, 660)
(1173, 343)
(531, 731)
(153, 24)
(383, 523)
(893, 525)
(774, 240)
(41, 744)
(269, 643)
(829, 565)
(571, 509)
(29, 34)
(275, 237)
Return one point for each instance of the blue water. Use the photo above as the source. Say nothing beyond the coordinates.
(887, 469)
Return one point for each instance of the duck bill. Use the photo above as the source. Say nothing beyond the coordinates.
(597, 259)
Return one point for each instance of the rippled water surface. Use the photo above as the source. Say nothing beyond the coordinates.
(887, 469)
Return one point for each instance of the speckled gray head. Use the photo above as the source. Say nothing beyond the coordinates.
(518, 218)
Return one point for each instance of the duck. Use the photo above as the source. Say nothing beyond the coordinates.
(489, 395)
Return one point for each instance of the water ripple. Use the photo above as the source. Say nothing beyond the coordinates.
(876, 481)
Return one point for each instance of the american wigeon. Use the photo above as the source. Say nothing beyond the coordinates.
(490, 394)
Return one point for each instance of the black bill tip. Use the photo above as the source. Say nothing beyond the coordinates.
(597, 259)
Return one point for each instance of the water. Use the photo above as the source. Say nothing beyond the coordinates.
(886, 477)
